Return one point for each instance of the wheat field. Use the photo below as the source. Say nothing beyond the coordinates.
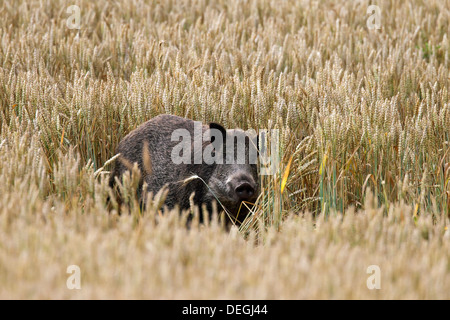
(364, 122)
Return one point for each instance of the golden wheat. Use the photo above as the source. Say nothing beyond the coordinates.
(357, 110)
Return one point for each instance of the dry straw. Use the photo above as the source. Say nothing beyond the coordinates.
(357, 109)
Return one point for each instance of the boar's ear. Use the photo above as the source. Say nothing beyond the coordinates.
(257, 143)
(221, 129)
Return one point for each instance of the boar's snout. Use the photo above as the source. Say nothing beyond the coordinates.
(243, 187)
(245, 191)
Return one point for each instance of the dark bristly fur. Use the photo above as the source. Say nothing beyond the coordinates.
(157, 168)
